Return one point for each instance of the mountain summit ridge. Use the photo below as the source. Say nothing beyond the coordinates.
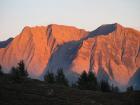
(111, 49)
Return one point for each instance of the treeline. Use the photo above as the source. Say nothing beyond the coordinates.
(18, 73)
(86, 81)
(59, 78)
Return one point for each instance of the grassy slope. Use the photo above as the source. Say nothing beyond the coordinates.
(34, 92)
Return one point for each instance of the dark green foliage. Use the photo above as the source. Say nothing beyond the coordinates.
(1, 72)
(49, 77)
(130, 89)
(92, 81)
(83, 81)
(22, 70)
(19, 73)
(87, 81)
(60, 77)
(104, 86)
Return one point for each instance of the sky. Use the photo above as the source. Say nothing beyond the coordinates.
(86, 14)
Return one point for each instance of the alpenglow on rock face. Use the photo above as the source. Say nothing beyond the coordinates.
(116, 51)
(35, 45)
(112, 51)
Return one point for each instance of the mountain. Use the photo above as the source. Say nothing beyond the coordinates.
(5, 43)
(112, 48)
(112, 51)
(35, 45)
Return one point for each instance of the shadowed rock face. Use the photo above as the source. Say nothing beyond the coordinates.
(4, 44)
(103, 30)
(112, 47)
(135, 80)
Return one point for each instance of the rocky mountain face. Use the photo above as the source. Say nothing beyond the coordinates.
(111, 50)
(35, 45)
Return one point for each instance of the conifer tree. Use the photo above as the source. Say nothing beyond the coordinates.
(83, 81)
(104, 86)
(92, 81)
(19, 73)
(60, 77)
(49, 77)
(22, 70)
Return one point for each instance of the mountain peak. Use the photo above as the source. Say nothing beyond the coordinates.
(105, 29)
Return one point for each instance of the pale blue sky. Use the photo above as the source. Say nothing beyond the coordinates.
(87, 14)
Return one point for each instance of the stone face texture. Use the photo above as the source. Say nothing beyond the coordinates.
(115, 49)
(118, 53)
(35, 45)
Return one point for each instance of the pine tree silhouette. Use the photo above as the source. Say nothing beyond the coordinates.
(19, 73)
(49, 77)
(60, 77)
(92, 81)
(22, 70)
(83, 81)
(104, 86)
